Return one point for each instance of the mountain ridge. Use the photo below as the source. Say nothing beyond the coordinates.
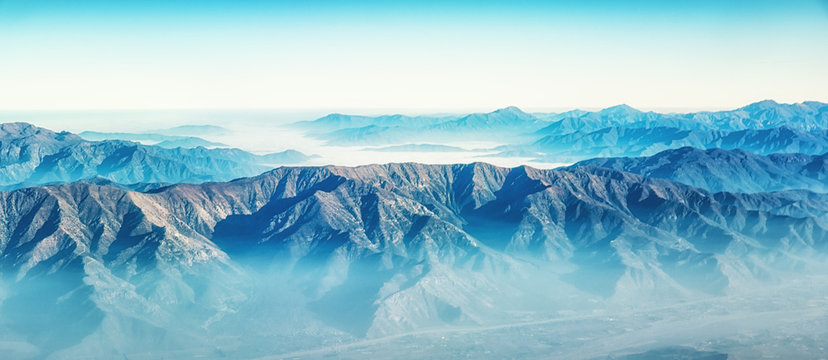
(764, 127)
(727, 170)
(378, 237)
(30, 155)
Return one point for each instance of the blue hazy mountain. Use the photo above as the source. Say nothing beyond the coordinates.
(30, 156)
(303, 256)
(165, 141)
(616, 116)
(127, 258)
(342, 121)
(727, 170)
(502, 119)
(187, 136)
(503, 124)
(767, 114)
(513, 126)
(621, 141)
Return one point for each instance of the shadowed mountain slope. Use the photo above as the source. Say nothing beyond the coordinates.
(405, 246)
(727, 170)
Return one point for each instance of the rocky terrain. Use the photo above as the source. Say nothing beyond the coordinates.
(727, 170)
(302, 256)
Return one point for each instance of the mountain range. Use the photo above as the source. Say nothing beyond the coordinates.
(508, 123)
(515, 127)
(727, 170)
(767, 114)
(114, 249)
(300, 256)
(186, 136)
(610, 142)
(31, 156)
(161, 140)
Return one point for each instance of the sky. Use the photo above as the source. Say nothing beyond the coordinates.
(410, 55)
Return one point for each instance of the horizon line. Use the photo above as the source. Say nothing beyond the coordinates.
(404, 110)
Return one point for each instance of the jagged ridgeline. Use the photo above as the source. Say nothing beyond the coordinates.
(31, 156)
(764, 127)
(728, 170)
(303, 257)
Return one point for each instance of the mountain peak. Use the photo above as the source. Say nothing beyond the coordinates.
(510, 114)
(19, 129)
(512, 110)
(761, 105)
(620, 109)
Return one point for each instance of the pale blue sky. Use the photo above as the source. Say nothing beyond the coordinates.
(414, 55)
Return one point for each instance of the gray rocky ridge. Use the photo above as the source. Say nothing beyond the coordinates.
(371, 251)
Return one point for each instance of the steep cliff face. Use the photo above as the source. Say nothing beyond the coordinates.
(375, 250)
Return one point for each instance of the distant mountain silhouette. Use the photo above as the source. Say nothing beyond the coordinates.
(516, 127)
(30, 156)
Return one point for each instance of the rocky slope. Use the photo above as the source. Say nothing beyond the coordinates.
(615, 141)
(727, 170)
(300, 255)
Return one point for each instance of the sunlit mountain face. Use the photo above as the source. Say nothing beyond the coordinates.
(568, 179)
